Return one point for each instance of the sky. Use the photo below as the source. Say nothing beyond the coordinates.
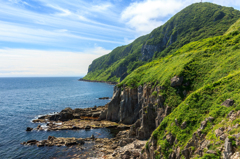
(52, 38)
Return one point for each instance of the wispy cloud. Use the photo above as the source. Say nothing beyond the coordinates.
(19, 24)
(23, 62)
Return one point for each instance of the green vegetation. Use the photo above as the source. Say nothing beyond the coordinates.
(211, 67)
(200, 63)
(196, 22)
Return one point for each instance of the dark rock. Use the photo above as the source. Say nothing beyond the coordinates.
(96, 114)
(39, 127)
(176, 81)
(170, 138)
(87, 127)
(176, 122)
(186, 153)
(168, 110)
(204, 123)
(76, 116)
(80, 141)
(184, 125)
(29, 129)
(68, 110)
(219, 132)
(211, 152)
(228, 102)
(32, 142)
(92, 137)
(228, 149)
(51, 138)
(104, 98)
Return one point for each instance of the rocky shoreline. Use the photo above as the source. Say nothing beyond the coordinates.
(118, 147)
(121, 146)
(69, 119)
(108, 82)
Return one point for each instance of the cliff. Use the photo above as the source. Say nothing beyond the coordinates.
(195, 22)
(187, 103)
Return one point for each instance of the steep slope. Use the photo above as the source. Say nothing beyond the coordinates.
(193, 97)
(195, 22)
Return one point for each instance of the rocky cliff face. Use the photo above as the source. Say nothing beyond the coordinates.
(137, 106)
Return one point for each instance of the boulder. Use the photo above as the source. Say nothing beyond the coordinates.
(170, 138)
(103, 114)
(184, 125)
(219, 132)
(228, 149)
(211, 152)
(87, 127)
(186, 153)
(68, 110)
(31, 142)
(228, 102)
(176, 81)
(29, 129)
(51, 138)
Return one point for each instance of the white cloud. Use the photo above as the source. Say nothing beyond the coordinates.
(23, 62)
(146, 15)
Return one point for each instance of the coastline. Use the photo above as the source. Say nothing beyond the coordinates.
(88, 118)
(108, 82)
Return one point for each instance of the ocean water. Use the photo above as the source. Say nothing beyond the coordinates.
(23, 99)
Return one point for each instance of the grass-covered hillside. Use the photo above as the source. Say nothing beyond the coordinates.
(195, 22)
(211, 74)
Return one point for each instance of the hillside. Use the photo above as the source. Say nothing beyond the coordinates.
(195, 22)
(193, 86)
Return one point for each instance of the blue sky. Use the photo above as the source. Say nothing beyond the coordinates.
(62, 37)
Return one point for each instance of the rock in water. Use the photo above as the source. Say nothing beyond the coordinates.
(29, 129)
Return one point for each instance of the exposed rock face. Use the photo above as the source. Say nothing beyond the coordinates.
(204, 123)
(228, 102)
(124, 106)
(176, 81)
(138, 105)
(228, 149)
(148, 51)
(113, 105)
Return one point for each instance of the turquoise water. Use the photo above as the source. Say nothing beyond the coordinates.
(23, 99)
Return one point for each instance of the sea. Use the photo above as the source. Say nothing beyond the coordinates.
(24, 99)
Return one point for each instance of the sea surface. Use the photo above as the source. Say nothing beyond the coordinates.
(23, 99)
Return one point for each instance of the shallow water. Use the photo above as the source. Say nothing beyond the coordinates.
(23, 99)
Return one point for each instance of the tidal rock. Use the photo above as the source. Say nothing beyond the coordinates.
(51, 138)
(29, 129)
(31, 142)
(104, 98)
(87, 127)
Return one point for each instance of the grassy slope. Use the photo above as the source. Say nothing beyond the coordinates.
(101, 68)
(197, 21)
(211, 66)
